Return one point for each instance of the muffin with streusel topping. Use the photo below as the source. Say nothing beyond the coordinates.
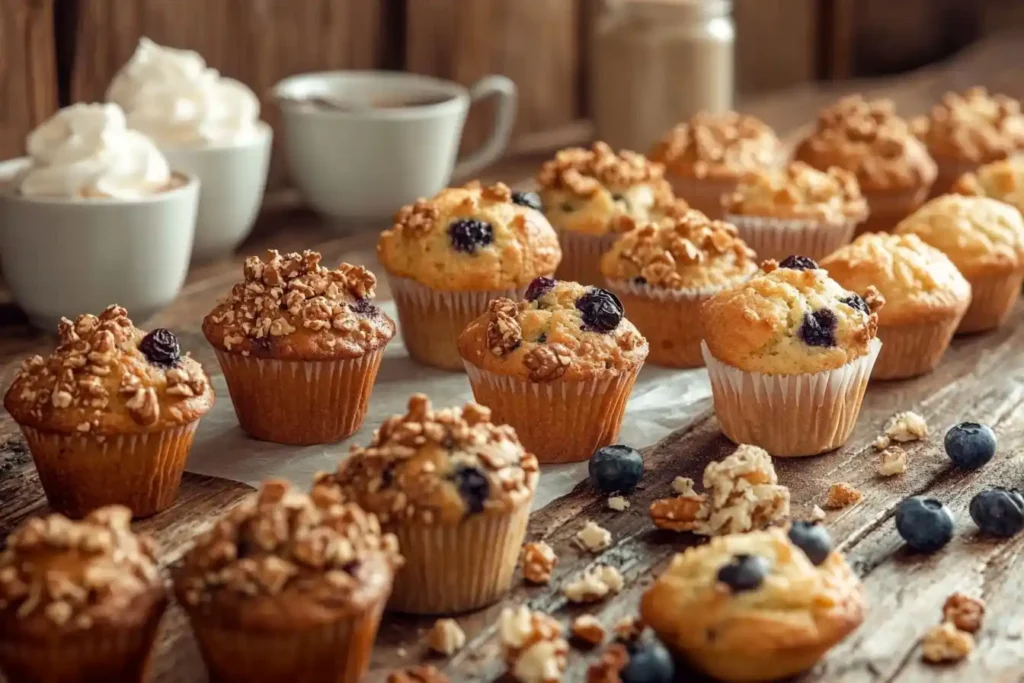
(707, 156)
(585, 191)
(663, 271)
(455, 487)
(79, 600)
(557, 366)
(796, 210)
(925, 298)
(448, 256)
(300, 345)
(288, 587)
(789, 354)
(1002, 180)
(109, 416)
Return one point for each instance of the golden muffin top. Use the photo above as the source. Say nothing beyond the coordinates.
(799, 192)
(722, 146)
(1002, 180)
(973, 126)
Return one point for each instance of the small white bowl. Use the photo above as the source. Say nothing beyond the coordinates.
(63, 257)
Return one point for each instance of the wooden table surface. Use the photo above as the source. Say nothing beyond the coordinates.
(981, 378)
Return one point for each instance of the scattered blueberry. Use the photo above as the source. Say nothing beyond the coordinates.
(473, 487)
(602, 310)
(160, 347)
(616, 469)
(998, 511)
(855, 301)
(469, 234)
(364, 307)
(649, 661)
(798, 263)
(970, 445)
(744, 572)
(819, 328)
(924, 523)
(813, 539)
(539, 287)
(530, 200)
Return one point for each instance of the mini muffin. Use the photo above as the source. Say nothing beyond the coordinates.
(288, 587)
(663, 270)
(80, 602)
(707, 156)
(586, 191)
(1002, 180)
(789, 353)
(447, 257)
(557, 366)
(755, 606)
(984, 238)
(925, 298)
(796, 210)
(456, 490)
(300, 346)
(109, 416)
(868, 139)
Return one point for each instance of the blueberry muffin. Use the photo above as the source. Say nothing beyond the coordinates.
(79, 601)
(893, 168)
(789, 353)
(456, 490)
(760, 606)
(585, 191)
(925, 298)
(557, 366)
(300, 345)
(984, 238)
(448, 256)
(288, 587)
(109, 416)
(663, 271)
(1002, 180)
(796, 210)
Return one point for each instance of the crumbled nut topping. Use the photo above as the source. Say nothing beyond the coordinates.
(533, 645)
(710, 144)
(683, 486)
(946, 643)
(539, 561)
(593, 537)
(906, 426)
(594, 584)
(503, 331)
(965, 612)
(423, 673)
(841, 495)
(973, 126)
(607, 669)
(629, 628)
(586, 171)
(446, 637)
(418, 218)
(588, 630)
(799, 191)
(618, 503)
(892, 461)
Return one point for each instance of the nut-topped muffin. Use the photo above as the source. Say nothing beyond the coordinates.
(925, 298)
(796, 210)
(300, 345)
(1002, 180)
(288, 587)
(109, 416)
(585, 191)
(456, 489)
(449, 255)
(893, 167)
(79, 600)
(788, 344)
(663, 270)
(558, 366)
(984, 238)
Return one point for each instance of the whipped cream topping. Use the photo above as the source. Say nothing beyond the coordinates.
(87, 150)
(172, 96)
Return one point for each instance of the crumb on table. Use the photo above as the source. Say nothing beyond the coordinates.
(946, 643)
(964, 612)
(841, 495)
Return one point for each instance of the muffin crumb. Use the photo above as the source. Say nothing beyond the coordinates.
(946, 643)
(588, 630)
(906, 426)
(534, 648)
(593, 537)
(817, 514)
(964, 612)
(841, 495)
(892, 461)
(594, 584)
(618, 503)
(424, 673)
(881, 442)
(683, 486)
(446, 637)
(539, 561)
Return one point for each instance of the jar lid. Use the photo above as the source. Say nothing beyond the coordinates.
(676, 8)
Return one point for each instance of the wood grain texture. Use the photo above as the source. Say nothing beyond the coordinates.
(764, 60)
(28, 71)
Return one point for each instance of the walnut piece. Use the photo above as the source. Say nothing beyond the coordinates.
(593, 537)
(547, 362)
(588, 630)
(446, 637)
(682, 513)
(946, 643)
(618, 503)
(607, 669)
(906, 426)
(594, 584)
(534, 648)
(683, 486)
(503, 331)
(892, 461)
(965, 612)
(841, 495)
(539, 560)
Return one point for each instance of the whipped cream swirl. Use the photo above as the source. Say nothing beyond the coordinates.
(87, 150)
(173, 97)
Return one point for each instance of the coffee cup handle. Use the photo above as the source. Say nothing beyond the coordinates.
(504, 117)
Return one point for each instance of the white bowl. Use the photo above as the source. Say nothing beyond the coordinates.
(64, 257)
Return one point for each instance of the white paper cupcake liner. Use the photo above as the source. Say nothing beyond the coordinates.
(777, 238)
(581, 256)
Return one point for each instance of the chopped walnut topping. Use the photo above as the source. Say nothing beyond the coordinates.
(618, 503)
(593, 537)
(892, 461)
(588, 630)
(973, 126)
(539, 561)
(503, 331)
(906, 426)
(682, 513)
(594, 584)
(801, 192)
(585, 171)
(946, 643)
(964, 612)
(533, 644)
(713, 144)
(841, 495)
(446, 637)
(683, 486)
(423, 673)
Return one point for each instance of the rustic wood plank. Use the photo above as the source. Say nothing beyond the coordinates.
(28, 71)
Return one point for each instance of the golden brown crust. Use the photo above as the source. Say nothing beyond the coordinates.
(1002, 180)
(799, 192)
(973, 126)
(718, 146)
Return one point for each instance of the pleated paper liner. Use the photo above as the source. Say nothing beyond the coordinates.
(703, 194)
(790, 415)
(992, 299)
(581, 256)
(950, 171)
(300, 402)
(776, 238)
(913, 350)
(888, 207)
(431, 320)
(81, 472)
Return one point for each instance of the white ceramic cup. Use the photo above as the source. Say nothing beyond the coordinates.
(63, 257)
(232, 179)
(360, 163)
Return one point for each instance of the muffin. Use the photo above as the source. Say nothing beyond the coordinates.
(300, 346)
(796, 210)
(663, 270)
(557, 366)
(789, 354)
(984, 238)
(288, 587)
(585, 191)
(755, 606)
(447, 257)
(456, 490)
(1002, 180)
(868, 139)
(925, 298)
(109, 416)
(79, 601)
(968, 129)
(707, 156)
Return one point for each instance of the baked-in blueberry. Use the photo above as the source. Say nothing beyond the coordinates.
(744, 572)
(530, 200)
(813, 539)
(925, 524)
(998, 511)
(798, 263)
(649, 661)
(540, 286)
(364, 307)
(819, 328)
(616, 469)
(473, 487)
(160, 347)
(469, 234)
(970, 445)
(855, 301)
(602, 311)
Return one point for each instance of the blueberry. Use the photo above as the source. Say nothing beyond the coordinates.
(530, 200)
(924, 523)
(998, 511)
(616, 469)
(744, 572)
(649, 661)
(160, 347)
(970, 445)
(855, 301)
(799, 263)
(819, 328)
(813, 539)
(473, 487)
(469, 234)
(640, 280)
(539, 287)
(542, 338)
(602, 310)
(364, 307)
